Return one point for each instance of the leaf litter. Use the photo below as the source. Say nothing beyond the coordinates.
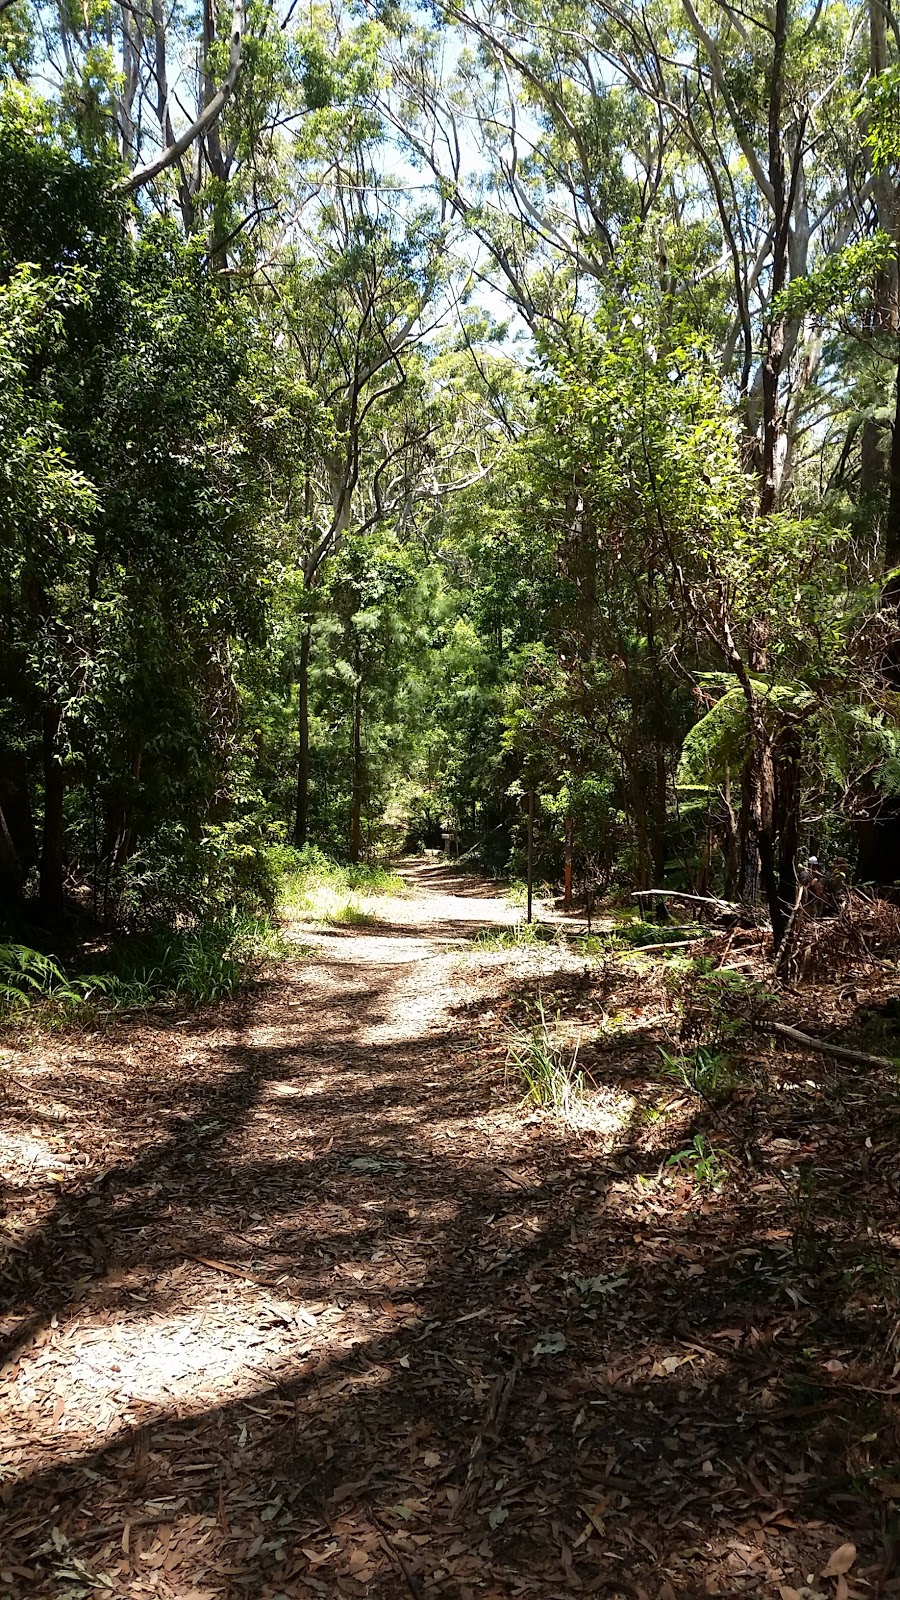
(299, 1300)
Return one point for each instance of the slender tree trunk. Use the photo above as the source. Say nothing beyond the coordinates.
(301, 813)
(642, 834)
(759, 800)
(569, 859)
(11, 874)
(51, 886)
(748, 841)
(124, 837)
(788, 836)
(731, 841)
(892, 524)
(358, 773)
(878, 858)
(659, 820)
(774, 332)
(15, 802)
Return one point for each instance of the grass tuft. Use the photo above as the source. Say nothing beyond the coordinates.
(515, 936)
(549, 1073)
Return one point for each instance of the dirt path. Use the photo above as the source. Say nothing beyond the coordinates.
(300, 1302)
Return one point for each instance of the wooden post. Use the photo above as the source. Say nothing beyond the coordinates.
(530, 848)
(570, 852)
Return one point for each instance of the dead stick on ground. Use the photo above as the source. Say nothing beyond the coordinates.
(235, 1272)
(512, 1179)
(394, 1556)
(498, 1405)
(112, 1528)
(807, 1042)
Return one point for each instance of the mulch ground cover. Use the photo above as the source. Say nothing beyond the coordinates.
(299, 1300)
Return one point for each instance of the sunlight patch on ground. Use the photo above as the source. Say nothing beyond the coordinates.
(606, 1112)
(23, 1154)
(323, 903)
(90, 1380)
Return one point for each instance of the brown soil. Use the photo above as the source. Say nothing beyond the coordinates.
(299, 1301)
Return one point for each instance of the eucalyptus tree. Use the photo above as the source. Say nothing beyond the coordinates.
(731, 137)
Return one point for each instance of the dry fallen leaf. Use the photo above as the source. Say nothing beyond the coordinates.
(840, 1561)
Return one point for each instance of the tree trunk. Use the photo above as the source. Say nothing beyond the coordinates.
(358, 774)
(51, 887)
(767, 839)
(788, 825)
(569, 858)
(659, 820)
(11, 875)
(878, 858)
(301, 814)
(892, 524)
(15, 803)
(748, 841)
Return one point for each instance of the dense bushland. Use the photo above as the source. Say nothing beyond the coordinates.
(353, 487)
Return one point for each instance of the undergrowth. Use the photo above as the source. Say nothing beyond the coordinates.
(316, 889)
(516, 935)
(195, 966)
(636, 932)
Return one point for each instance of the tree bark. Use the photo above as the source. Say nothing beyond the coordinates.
(15, 802)
(358, 774)
(301, 812)
(773, 337)
(11, 875)
(569, 859)
(892, 524)
(52, 840)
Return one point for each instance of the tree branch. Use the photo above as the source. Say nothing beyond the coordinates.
(210, 113)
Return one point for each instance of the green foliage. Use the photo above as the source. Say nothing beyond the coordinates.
(707, 1073)
(637, 932)
(195, 966)
(718, 1007)
(883, 120)
(521, 935)
(315, 888)
(547, 1069)
(845, 283)
(707, 1166)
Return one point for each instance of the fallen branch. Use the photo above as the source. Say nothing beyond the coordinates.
(501, 1394)
(857, 1057)
(394, 1556)
(111, 1530)
(235, 1272)
(695, 899)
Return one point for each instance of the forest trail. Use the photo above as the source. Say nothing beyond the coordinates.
(302, 1302)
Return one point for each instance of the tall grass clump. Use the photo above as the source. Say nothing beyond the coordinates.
(546, 1068)
(316, 889)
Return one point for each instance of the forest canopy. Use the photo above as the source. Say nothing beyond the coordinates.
(402, 410)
